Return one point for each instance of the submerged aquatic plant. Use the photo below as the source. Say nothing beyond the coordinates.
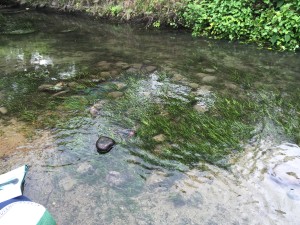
(186, 135)
(283, 110)
(191, 136)
(21, 26)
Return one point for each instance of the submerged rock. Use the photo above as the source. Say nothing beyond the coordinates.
(150, 69)
(98, 105)
(94, 111)
(209, 70)
(203, 90)
(122, 65)
(60, 93)
(73, 84)
(3, 110)
(200, 108)
(159, 138)
(120, 85)
(201, 75)
(231, 86)
(95, 80)
(104, 65)
(51, 88)
(147, 61)
(193, 85)
(132, 70)
(104, 144)
(177, 77)
(114, 73)
(137, 66)
(114, 178)
(85, 167)
(126, 133)
(67, 183)
(46, 87)
(156, 178)
(115, 94)
(105, 74)
(209, 79)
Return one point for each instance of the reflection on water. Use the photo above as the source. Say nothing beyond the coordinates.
(129, 184)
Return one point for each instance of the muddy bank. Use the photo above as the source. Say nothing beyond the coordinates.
(151, 13)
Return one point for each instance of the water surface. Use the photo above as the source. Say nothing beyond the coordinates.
(54, 131)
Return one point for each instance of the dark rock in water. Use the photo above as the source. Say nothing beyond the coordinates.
(104, 144)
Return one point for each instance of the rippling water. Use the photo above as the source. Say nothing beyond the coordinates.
(129, 184)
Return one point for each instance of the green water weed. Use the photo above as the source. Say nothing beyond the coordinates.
(190, 137)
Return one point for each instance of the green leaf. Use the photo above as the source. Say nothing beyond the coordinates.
(273, 39)
(287, 37)
(280, 3)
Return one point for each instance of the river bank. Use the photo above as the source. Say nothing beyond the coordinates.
(145, 12)
(269, 25)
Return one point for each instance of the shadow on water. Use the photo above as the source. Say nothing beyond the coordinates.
(205, 130)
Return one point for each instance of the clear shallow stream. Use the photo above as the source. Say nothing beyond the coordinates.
(131, 185)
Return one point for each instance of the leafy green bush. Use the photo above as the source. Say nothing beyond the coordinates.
(115, 10)
(278, 27)
(274, 23)
(222, 19)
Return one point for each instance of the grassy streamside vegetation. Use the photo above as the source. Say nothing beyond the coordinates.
(269, 23)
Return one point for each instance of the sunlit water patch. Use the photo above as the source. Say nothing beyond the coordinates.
(206, 131)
